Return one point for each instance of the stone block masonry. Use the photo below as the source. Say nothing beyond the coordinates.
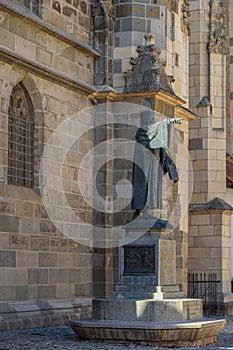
(209, 222)
(133, 21)
(36, 260)
(71, 16)
(44, 48)
(31, 314)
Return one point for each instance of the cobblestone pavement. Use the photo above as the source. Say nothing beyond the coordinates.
(63, 337)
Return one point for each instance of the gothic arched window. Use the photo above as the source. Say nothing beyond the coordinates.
(33, 5)
(20, 138)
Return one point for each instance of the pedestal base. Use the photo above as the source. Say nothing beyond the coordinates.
(148, 310)
(147, 306)
(166, 334)
(167, 322)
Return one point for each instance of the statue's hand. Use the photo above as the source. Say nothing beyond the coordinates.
(175, 120)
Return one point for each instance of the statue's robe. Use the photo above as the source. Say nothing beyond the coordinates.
(151, 163)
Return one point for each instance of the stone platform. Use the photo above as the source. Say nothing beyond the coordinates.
(165, 334)
(147, 306)
(173, 322)
(149, 310)
(165, 322)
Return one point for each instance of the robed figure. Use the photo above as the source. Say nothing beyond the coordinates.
(151, 162)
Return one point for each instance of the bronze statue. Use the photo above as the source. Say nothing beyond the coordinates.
(151, 162)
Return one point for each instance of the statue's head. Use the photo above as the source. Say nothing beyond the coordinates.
(146, 118)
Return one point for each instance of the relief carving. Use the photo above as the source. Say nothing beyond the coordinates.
(104, 7)
(3, 17)
(185, 25)
(173, 5)
(139, 260)
(217, 37)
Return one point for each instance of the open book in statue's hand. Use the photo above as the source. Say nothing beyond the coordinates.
(175, 120)
(158, 133)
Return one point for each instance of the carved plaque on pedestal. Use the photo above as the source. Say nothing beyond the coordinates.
(139, 260)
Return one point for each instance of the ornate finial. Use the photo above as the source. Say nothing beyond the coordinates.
(147, 73)
(104, 7)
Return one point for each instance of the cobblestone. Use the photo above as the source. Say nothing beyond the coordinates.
(63, 337)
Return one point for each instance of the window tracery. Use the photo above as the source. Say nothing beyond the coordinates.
(33, 5)
(20, 138)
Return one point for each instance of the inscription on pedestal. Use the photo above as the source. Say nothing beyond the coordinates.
(139, 260)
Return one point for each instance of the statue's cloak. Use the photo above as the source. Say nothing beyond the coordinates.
(150, 165)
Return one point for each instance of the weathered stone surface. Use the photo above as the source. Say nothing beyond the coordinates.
(59, 244)
(28, 226)
(9, 223)
(26, 259)
(44, 56)
(47, 259)
(58, 276)
(25, 292)
(83, 289)
(39, 243)
(38, 276)
(13, 276)
(7, 293)
(7, 39)
(46, 292)
(195, 144)
(7, 258)
(18, 242)
(74, 276)
(153, 12)
(6, 207)
(62, 290)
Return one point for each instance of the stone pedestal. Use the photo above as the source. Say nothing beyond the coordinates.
(147, 306)
(147, 268)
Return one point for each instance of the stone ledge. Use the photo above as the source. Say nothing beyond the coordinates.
(169, 334)
(40, 313)
(34, 322)
(50, 74)
(217, 204)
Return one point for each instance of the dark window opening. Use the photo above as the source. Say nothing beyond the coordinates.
(20, 138)
(177, 59)
(33, 5)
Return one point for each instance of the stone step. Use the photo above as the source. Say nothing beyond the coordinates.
(147, 295)
(145, 287)
(165, 334)
(126, 291)
(173, 295)
(170, 288)
(140, 295)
